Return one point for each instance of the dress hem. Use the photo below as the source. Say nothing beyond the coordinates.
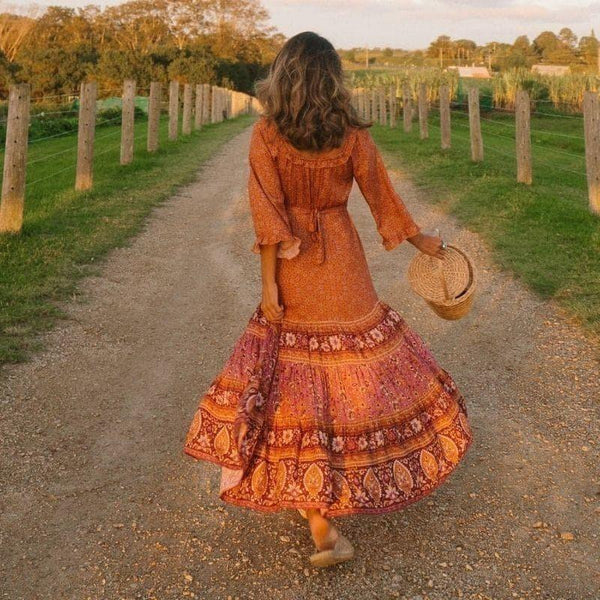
(329, 513)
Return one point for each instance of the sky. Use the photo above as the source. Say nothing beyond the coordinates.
(412, 24)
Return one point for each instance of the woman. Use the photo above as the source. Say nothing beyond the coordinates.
(329, 402)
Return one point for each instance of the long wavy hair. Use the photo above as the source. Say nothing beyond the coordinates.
(305, 96)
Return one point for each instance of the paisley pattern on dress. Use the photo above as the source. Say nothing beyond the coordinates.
(345, 436)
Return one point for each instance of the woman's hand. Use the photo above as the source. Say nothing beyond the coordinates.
(428, 244)
(270, 302)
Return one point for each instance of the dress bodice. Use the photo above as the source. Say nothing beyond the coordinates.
(285, 182)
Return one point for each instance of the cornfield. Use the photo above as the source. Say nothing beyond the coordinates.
(564, 93)
(432, 77)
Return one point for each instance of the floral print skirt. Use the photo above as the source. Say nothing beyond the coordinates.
(347, 417)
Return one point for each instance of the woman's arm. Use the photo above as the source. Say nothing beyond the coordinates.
(270, 292)
(394, 222)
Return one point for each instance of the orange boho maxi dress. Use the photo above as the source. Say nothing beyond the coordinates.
(340, 406)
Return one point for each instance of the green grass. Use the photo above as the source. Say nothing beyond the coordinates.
(545, 232)
(65, 233)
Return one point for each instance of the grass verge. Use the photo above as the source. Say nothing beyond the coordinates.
(545, 232)
(66, 233)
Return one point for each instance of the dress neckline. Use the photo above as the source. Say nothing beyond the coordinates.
(332, 157)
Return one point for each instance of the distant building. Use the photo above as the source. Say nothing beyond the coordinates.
(551, 69)
(473, 72)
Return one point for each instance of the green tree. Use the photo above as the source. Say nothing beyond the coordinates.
(568, 38)
(545, 44)
(588, 49)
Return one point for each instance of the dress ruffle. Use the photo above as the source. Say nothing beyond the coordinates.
(353, 417)
(288, 248)
(391, 242)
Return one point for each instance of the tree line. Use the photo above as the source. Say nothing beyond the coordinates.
(564, 48)
(221, 42)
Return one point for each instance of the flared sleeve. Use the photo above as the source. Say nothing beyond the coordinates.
(267, 202)
(392, 218)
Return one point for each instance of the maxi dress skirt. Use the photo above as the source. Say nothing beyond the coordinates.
(340, 406)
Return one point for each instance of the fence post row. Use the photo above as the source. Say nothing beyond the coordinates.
(15, 160)
(372, 105)
(445, 127)
(212, 103)
(523, 137)
(85, 136)
(591, 124)
(127, 121)
(475, 125)
(423, 111)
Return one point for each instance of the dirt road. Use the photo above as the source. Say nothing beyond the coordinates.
(98, 500)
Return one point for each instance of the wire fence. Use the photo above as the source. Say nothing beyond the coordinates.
(569, 143)
(189, 109)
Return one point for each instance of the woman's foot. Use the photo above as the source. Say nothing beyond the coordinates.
(324, 534)
(332, 546)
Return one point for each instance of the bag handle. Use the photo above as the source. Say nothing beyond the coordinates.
(441, 270)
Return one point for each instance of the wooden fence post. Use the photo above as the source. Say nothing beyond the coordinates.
(361, 102)
(373, 106)
(382, 107)
(153, 116)
(15, 159)
(205, 103)
(423, 111)
(127, 121)
(186, 122)
(214, 104)
(233, 95)
(523, 137)
(354, 100)
(393, 105)
(445, 127)
(85, 136)
(198, 107)
(173, 110)
(591, 123)
(407, 107)
(475, 125)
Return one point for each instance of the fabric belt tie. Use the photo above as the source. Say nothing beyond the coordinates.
(315, 227)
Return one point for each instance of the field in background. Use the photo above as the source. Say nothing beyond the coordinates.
(544, 233)
(66, 232)
(562, 93)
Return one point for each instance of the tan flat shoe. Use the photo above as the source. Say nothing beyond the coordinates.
(342, 551)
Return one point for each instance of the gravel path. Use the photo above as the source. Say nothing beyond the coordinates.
(98, 500)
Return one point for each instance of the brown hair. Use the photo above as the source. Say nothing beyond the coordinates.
(305, 96)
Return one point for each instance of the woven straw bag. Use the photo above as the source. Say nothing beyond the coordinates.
(447, 284)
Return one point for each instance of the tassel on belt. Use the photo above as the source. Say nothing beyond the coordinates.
(315, 226)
